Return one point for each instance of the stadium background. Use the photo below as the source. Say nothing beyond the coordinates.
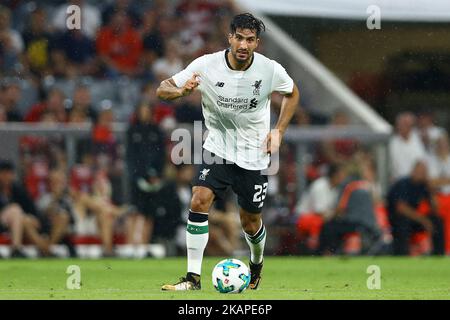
(69, 104)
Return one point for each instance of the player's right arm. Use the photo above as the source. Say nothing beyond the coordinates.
(168, 90)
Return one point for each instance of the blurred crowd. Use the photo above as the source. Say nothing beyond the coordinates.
(123, 188)
(344, 210)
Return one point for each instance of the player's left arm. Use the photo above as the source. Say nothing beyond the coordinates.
(287, 111)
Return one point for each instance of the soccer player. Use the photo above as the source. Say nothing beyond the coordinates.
(236, 85)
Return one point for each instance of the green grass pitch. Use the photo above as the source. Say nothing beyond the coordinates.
(283, 278)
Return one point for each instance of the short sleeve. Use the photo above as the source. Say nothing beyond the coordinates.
(184, 75)
(281, 81)
(433, 168)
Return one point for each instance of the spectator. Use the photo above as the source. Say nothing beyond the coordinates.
(77, 117)
(75, 53)
(90, 18)
(82, 104)
(158, 203)
(12, 218)
(54, 104)
(340, 150)
(9, 99)
(119, 47)
(152, 43)
(439, 165)
(193, 44)
(106, 149)
(122, 5)
(146, 151)
(199, 15)
(152, 39)
(103, 139)
(155, 31)
(9, 37)
(405, 147)
(318, 204)
(354, 213)
(428, 130)
(141, 224)
(170, 64)
(403, 201)
(19, 213)
(38, 41)
(167, 211)
(57, 206)
(146, 145)
(92, 191)
(11, 43)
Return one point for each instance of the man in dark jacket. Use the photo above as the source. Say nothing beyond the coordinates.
(403, 200)
(145, 145)
(146, 154)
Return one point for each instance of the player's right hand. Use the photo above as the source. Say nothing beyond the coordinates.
(191, 84)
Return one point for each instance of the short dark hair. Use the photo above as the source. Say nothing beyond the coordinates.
(247, 21)
(6, 165)
(333, 169)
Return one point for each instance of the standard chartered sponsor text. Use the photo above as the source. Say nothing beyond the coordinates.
(233, 103)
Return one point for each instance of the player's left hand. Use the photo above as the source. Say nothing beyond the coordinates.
(272, 142)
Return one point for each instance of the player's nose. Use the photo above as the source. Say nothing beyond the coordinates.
(243, 45)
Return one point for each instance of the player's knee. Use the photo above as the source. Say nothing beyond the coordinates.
(201, 201)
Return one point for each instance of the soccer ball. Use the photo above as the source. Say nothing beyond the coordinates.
(230, 276)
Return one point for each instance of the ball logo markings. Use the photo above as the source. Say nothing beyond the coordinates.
(231, 276)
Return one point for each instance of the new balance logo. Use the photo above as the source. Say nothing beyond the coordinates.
(220, 84)
(203, 174)
(253, 103)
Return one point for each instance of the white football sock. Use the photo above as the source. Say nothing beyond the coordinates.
(256, 243)
(196, 239)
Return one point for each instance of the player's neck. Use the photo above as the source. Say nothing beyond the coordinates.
(235, 64)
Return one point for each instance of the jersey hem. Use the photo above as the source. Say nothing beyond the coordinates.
(223, 156)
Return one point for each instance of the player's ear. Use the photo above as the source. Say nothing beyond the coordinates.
(229, 38)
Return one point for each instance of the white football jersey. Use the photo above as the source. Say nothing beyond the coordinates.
(236, 105)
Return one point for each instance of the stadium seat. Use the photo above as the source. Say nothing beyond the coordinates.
(5, 239)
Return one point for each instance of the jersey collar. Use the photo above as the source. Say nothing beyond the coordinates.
(229, 65)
